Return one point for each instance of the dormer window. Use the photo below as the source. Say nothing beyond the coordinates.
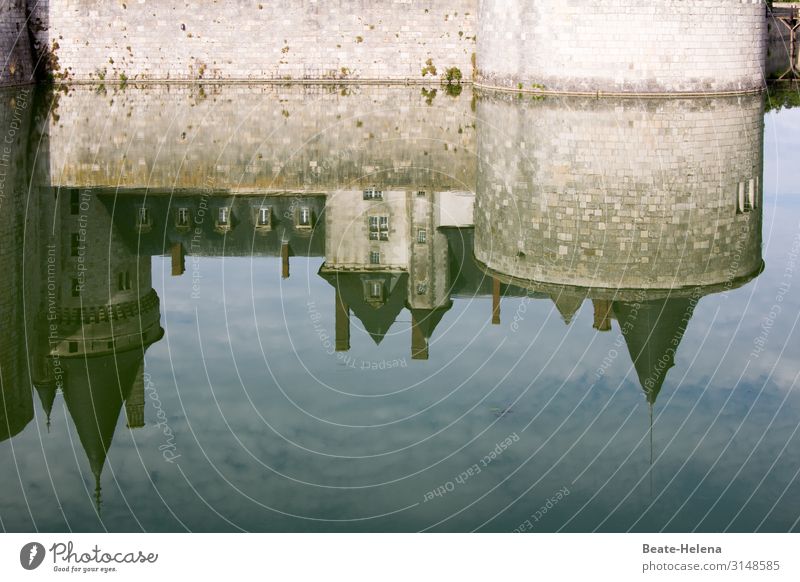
(263, 216)
(182, 218)
(304, 217)
(224, 216)
(376, 290)
(143, 217)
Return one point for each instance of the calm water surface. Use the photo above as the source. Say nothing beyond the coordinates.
(386, 309)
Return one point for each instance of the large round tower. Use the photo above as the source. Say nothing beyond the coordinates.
(656, 195)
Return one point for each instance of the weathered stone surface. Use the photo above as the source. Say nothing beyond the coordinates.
(16, 62)
(646, 46)
(620, 193)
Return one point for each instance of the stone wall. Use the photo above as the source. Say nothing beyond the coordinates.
(259, 39)
(644, 194)
(16, 405)
(243, 138)
(643, 46)
(16, 62)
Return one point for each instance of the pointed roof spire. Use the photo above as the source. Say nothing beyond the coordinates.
(94, 394)
(653, 330)
(47, 396)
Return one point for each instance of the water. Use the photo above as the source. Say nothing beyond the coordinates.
(384, 309)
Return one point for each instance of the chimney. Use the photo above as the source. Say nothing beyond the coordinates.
(419, 343)
(495, 302)
(342, 324)
(178, 260)
(285, 258)
(602, 314)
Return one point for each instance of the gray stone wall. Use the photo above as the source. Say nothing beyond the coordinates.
(643, 46)
(627, 193)
(257, 40)
(16, 62)
(16, 406)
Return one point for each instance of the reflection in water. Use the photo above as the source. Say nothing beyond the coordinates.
(641, 208)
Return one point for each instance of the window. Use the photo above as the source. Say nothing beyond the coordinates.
(74, 202)
(422, 236)
(182, 217)
(746, 196)
(143, 217)
(76, 288)
(375, 258)
(224, 215)
(263, 216)
(421, 193)
(373, 194)
(74, 244)
(124, 281)
(376, 290)
(304, 217)
(73, 347)
(379, 228)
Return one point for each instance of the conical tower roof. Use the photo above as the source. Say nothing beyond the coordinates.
(47, 396)
(653, 330)
(94, 391)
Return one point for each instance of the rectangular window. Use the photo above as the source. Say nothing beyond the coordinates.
(375, 258)
(746, 196)
(263, 216)
(376, 290)
(74, 244)
(76, 288)
(373, 194)
(304, 218)
(224, 216)
(379, 228)
(143, 218)
(422, 236)
(124, 281)
(74, 202)
(182, 218)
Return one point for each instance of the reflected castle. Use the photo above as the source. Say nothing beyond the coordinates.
(640, 207)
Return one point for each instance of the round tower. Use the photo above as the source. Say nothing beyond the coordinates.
(607, 46)
(658, 195)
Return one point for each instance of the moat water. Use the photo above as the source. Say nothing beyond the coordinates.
(386, 309)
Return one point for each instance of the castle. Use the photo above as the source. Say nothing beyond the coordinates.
(413, 208)
(593, 46)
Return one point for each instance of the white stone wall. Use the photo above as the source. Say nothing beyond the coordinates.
(643, 46)
(258, 39)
